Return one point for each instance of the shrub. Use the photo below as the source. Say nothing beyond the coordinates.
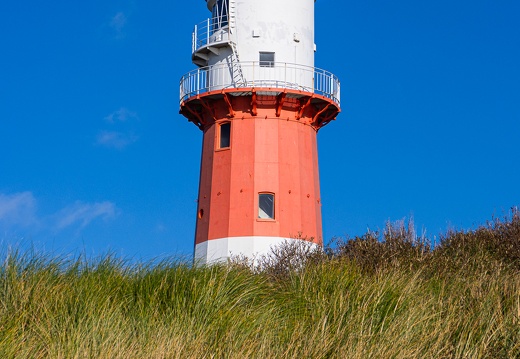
(498, 241)
(398, 246)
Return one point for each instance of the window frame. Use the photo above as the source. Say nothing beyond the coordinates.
(273, 205)
(266, 62)
(220, 138)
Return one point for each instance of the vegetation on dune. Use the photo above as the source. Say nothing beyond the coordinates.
(388, 295)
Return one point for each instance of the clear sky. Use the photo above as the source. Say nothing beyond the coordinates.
(94, 156)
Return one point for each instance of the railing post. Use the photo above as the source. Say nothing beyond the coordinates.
(331, 86)
(314, 74)
(338, 92)
(194, 40)
(181, 92)
(208, 31)
(285, 74)
(197, 85)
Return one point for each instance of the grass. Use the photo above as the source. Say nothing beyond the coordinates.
(388, 295)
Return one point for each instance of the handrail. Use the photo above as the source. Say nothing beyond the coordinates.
(279, 75)
(203, 33)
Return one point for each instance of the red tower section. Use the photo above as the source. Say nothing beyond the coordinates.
(259, 144)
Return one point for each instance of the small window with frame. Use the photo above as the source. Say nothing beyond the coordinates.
(266, 59)
(266, 206)
(224, 135)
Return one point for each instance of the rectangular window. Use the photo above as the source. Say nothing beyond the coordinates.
(224, 136)
(266, 59)
(266, 206)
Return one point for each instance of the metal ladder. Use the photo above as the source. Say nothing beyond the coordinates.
(238, 75)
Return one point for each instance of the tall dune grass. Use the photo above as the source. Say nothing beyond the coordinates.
(388, 296)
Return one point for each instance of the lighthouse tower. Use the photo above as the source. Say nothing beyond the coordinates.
(259, 102)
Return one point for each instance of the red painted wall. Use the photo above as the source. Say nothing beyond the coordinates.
(268, 153)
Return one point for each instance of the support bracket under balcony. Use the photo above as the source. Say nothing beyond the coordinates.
(192, 116)
(229, 105)
(280, 99)
(319, 113)
(209, 107)
(303, 106)
(214, 50)
(254, 103)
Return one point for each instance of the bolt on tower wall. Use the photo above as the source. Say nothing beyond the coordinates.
(260, 102)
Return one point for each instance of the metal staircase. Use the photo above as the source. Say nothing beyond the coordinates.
(238, 75)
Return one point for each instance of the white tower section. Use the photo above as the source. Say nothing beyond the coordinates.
(284, 28)
(259, 43)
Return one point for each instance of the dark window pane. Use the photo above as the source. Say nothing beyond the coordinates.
(225, 135)
(267, 59)
(266, 206)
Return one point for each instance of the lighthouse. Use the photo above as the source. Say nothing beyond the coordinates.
(259, 101)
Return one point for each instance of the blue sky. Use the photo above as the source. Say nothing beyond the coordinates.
(94, 156)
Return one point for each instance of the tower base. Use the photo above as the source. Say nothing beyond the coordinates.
(251, 247)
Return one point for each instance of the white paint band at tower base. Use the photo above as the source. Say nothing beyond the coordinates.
(252, 247)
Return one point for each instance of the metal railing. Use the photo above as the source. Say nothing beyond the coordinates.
(209, 31)
(272, 75)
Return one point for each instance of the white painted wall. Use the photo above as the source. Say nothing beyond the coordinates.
(275, 23)
(222, 249)
(285, 27)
